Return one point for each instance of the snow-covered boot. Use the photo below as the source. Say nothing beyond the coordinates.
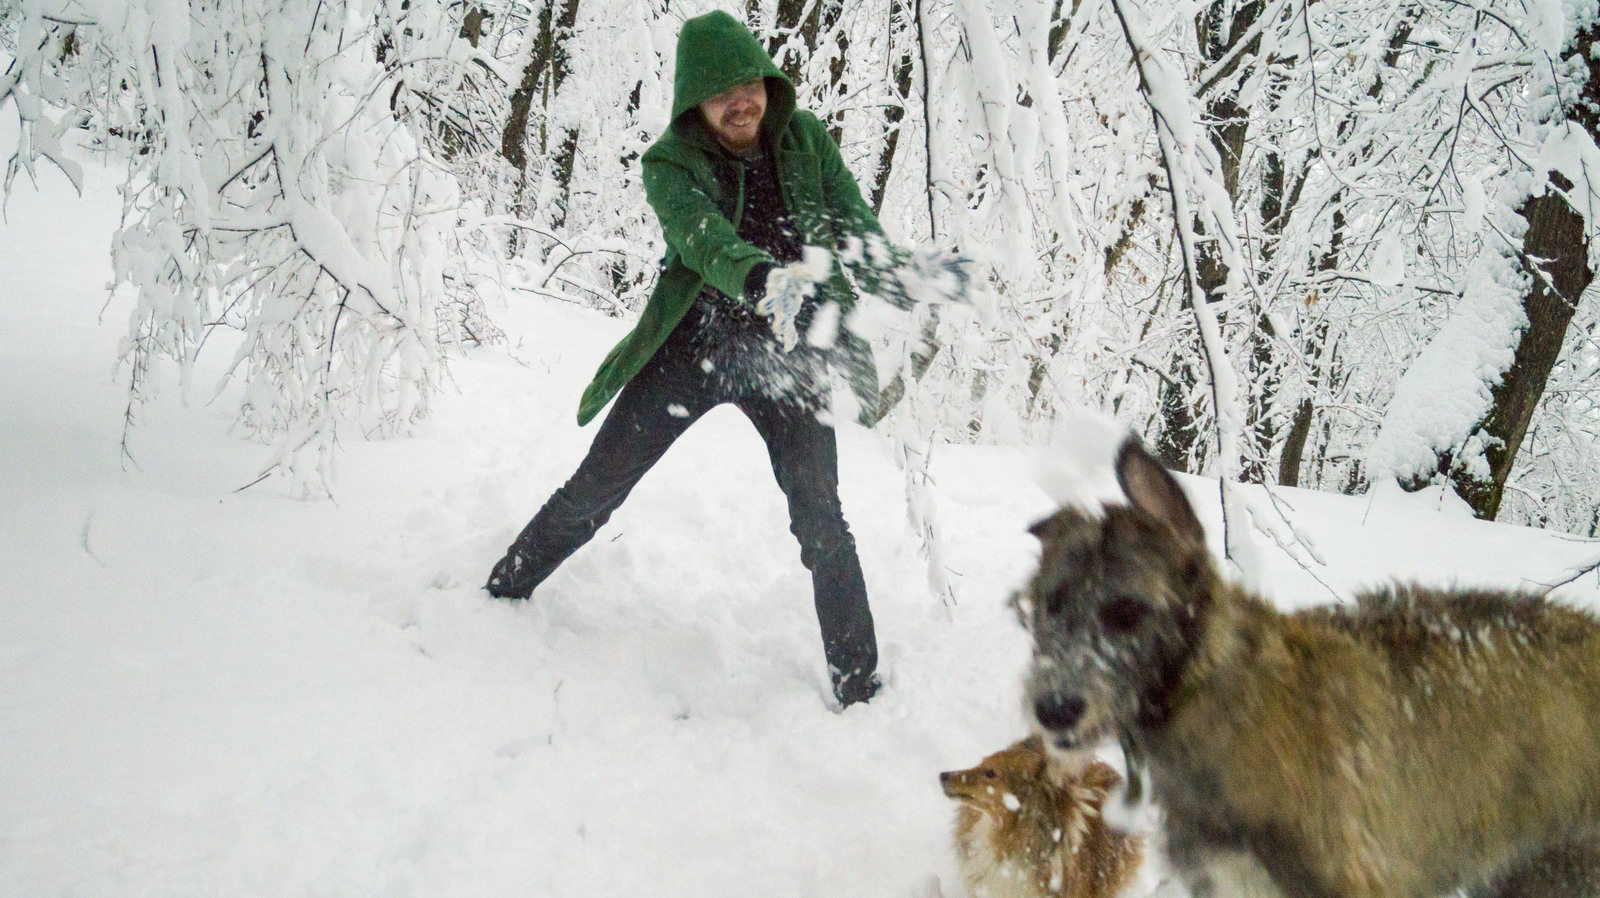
(855, 687)
(512, 577)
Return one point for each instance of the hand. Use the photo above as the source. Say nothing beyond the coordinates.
(787, 289)
(785, 293)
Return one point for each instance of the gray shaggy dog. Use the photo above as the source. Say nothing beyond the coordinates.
(1414, 743)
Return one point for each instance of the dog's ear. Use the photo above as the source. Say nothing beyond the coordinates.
(1068, 526)
(1045, 529)
(1051, 532)
(1154, 491)
(1030, 758)
(1100, 778)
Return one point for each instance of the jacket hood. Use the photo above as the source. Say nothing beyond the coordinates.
(717, 52)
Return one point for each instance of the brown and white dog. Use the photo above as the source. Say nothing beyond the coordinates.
(1029, 826)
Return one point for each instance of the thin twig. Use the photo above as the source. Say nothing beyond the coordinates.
(1586, 569)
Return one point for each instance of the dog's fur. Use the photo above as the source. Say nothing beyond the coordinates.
(1029, 826)
(1414, 743)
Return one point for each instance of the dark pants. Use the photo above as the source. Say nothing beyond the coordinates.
(650, 413)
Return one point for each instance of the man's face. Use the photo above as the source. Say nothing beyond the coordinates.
(734, 116)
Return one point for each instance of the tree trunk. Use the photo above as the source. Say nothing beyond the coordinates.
(514, 136)
(1261, 425)
(1227, 125)
(561, 165)
(896, 113)
(546, 70)
(1294, 443)
(1278, 199)
(927, 116)
(1323, 356)
(1555, 237)
(821, 17)
(921, 361)
(1059, 28)
(786, 24)
(472, 24)
(1555, 232)
(831, 11)
(1174, 445)
(567, 147)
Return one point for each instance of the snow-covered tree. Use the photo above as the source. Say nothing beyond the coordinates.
(1464, 408)
(277, 205)
(1362, 194)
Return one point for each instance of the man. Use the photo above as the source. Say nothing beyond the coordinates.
(742, 184)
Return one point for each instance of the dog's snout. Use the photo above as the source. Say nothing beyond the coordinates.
(1058, 712)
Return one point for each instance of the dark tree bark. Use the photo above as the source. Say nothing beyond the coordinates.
(1294, 445)
(546, 69)
(1059, 28)
(822, 18)
(542, 77)
(1175, 443)
(1322, 359)
(472, 24)
(896, 113)
(921, 359)
(1278, 199)
(788, 23)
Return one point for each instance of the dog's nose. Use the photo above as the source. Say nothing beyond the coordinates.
(946, 777)
(1058, 712)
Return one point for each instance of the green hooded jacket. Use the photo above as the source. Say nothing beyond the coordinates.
(700, 218)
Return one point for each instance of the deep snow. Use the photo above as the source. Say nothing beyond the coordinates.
(213, 691)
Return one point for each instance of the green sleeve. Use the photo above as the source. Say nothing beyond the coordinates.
(696, 229)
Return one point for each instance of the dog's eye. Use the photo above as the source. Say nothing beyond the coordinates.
(989, 773)
(1123, 614)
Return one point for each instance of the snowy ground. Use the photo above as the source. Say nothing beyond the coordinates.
(209, 692)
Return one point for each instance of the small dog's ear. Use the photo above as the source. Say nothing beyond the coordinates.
(1058, 529)
(1154, 491)
(1100, 778)
(1041, 529)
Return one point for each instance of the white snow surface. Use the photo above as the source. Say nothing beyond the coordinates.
(213, 691)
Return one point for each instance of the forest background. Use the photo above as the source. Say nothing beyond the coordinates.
(1328, 243)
